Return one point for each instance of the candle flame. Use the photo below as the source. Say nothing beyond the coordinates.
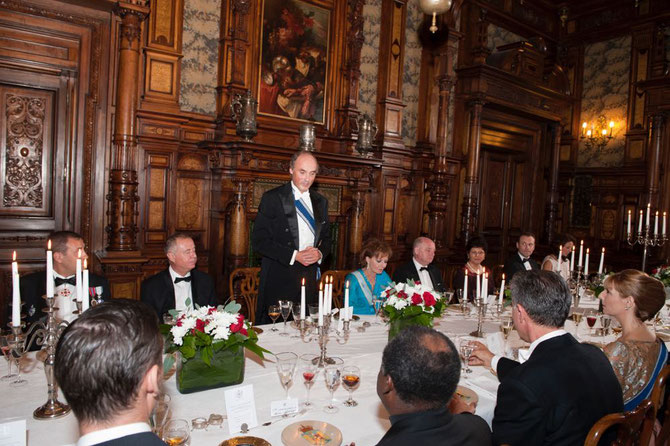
(303, 281)
(603, 250)
(49, 245)
(79, 253)
(466, 271)
(611, 124)
(584, 125)
(582, 242)
(347, 284)
(587, 250)
(85, 263)
(320, 286)
(14, 256)
(503, 276)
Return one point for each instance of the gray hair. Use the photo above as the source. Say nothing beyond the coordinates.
(544, 295)
(172, 240)
(298, 154)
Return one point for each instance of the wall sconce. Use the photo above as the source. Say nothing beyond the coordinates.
(434, 7)
(598, 135)
(563, 15)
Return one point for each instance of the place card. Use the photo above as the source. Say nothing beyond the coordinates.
(284, 407)
(13, 433)
(240, 408)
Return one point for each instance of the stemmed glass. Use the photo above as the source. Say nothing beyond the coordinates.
(286, 362)
(296, 317)
(605, 322)
(98, 296)
(5, 345)
(177, 433)
(273, 312)
(591, 320)
(313, 312)
(285, 308)
(160, 413)
(351, 376)
(16, 351)
(466, 350)
(506, 325)
(308, 366)
(332, 374)
(377, 302)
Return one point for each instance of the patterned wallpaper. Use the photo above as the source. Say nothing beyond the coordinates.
(367, 88)
(200, 49)
(410, 85)
(500, 36)
(605, 92)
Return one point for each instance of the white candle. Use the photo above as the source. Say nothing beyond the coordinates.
(329, 295)
(77, 288)
(656, 224)
(320, 304)
(50, 270)
(485, 285)
(478, 294)
(648, 212)
(465, 286)
(560, 257)
(572, 259)
(581, 251)
(628, 225)
(639, 226)
(502, 290)
(16, 293)
(586, 263)
(346, 301)
(664, 215)
(84, 287)
(302, 300)
(602, 261)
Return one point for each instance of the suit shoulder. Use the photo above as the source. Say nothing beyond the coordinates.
(202, 276)
(38, 275)
(156, 278)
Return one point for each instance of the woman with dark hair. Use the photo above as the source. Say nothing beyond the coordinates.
(550, 263)
(368, 282)
(632, 297)
(476, 252)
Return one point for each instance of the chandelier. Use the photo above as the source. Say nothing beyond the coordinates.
(598, 134)
(434, 7)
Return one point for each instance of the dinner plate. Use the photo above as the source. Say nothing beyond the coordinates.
(467, 395)
(311, 433)
(243, 441)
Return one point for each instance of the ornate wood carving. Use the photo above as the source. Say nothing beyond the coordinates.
(470, 204)
(356, 227)
(551, 210)
(657, 122)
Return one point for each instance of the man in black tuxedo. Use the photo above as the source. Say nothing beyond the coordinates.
(292, 234)
(65, 246)
(418, 377)
(109, 367)
(180, 286)
(420, 268)
(520, 260)
(564, 387)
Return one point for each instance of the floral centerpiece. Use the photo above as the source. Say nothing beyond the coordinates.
(210, 343)
(662, 273)
(411, 304)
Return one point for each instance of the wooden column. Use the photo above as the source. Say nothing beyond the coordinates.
(470, 207)
(356, 227)
(551, 210)
(122, 198)
(654, 159)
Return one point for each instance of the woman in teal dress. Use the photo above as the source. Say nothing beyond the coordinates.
(371, 280)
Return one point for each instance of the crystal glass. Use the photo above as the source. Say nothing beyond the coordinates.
(466, 350)
(286, 362)
(7, 353)
(605, 322)
(377, 303)
(98, 296)
(274, 312)
(313, 312)
(16, 351)
(506, 325)
(160, 413)
(296, 317)
(591, 318)
(577, 315)
(332, 373)
(285, 309)
(177, 433)
(351, 377)
(309, 370)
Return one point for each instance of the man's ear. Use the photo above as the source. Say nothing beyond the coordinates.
(152, 380)
(58, 257)
(387, 384)
(170, 256)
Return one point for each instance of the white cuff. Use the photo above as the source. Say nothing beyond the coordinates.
(320, 258)
(494, 362)
(295, 253)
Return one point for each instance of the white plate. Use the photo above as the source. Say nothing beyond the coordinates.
(311, 433)
(467, 395)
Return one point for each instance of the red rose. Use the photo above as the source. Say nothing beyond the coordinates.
(239, 325)
(416, 299)
(200, 325)
(428, 299)
(417, 282)
(211, 310)
(244, 331)
(402, 295)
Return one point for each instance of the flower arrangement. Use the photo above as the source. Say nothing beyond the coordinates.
(662, 273)
(411, 303)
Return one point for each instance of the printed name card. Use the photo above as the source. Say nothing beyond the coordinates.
(13, 433)
(284, 407)
(241, 408)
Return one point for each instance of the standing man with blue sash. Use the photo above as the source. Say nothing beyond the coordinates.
(292, 234)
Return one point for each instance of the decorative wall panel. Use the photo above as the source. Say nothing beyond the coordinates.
(498, 36)
(410, 87)
(367, 91)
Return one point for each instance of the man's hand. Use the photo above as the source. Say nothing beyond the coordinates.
(308, 256)
(480, 355)
(457, 405)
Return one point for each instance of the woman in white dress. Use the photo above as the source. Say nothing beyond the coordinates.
(550, 262)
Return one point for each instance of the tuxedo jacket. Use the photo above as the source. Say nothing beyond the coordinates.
(513, 265)
(408, 271)
(275, 238)
(157, 291)
(459, 278)
(139, 439)
(556, 396)
(437, 428)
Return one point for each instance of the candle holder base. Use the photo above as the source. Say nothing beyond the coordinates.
(51, 409)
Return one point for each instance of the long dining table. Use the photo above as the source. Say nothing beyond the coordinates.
(364, 424)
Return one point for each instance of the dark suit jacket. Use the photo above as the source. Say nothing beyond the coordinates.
(158, 291)
(438, 428)
(141, 439)
(513, 265)
(275, 237)
(556, 396)
(472, 283)
(408, 271)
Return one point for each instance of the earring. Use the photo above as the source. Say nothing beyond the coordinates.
(627, 307)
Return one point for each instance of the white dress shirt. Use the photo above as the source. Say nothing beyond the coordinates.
(182, 292)
(305, 235)
(64, 299)
(424, 276)
(112, 433)
(533, 346)
(526, 263)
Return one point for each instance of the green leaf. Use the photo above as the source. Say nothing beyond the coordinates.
(206, 355)
(232, 307)
(188, 302)
(187, 351)
(174, 313)
(168, 362)
(257, 349)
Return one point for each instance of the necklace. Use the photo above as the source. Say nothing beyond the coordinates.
(478, 270)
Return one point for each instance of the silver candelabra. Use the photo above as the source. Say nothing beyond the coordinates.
(646, 239)
(322, 336)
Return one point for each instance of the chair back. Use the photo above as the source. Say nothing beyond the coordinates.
(658, 398)
(338, 276)
(630, 425)
(243, 287)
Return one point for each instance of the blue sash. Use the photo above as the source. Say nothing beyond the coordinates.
(306, 215)
(646, 391)
(363, 285)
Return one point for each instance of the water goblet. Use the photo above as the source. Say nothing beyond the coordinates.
(296, 318)
(274, 312)
(313, 312)
(605, 322)
(351, 376)
(466, 350)
(309, 370)
(577, 315)
(286, 362)
(285, 309)
(506, 325)
(5, 345)
(17, 349)
(332, 373)
(177, 433)
(459, 295)
(160, 413)
(377, 302)
(98, 296)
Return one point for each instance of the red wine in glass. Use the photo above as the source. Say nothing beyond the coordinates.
(309, 376)
(591, 320)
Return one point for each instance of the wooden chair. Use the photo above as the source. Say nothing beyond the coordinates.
(657, 398)
(338, 276)
(630, 425)
(243, 287)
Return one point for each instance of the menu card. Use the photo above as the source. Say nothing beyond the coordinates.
(241, 408)
(13, 433)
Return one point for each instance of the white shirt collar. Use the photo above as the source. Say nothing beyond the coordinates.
(112, 433)
(521, 256)
(61, 276)
(545, 337)
(174, 274)
(418, 265)
(297, 194)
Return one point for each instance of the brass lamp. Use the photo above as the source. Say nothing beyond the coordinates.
(598, 135)
(434, 7)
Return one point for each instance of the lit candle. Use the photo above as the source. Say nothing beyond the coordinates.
(664, 215)
(560, 257)
(16, 293)
(320, 304)
(77, 289)
(628, 225)
(50, 270)
(602, 261)
(648, 212)
(302, 300)
(346, 301)
(329, 299)
(586, 263)
(502, 290)
(588, 133)
(584, 128)
(479, 287)
(85, 293)
(465, 286)
(639, 226)
(572, 259)
(611, 127)
(581, 251)
(485, 285)
(656, 224)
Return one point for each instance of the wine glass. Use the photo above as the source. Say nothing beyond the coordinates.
(506, 325)
(285, 308)
(98, 296)
(466, 350)
(160, 413)
(16, 351)
(273, 312)
(5, 345)
(591, 320)
(177, 433)
(377, 302)
(577, 315)
(286, 362)
(308, 367)
(605, 322)
(332, 374)
(296, 317)
(351, 376)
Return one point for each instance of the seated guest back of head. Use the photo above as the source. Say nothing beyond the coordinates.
(109, 367)
(420, 268)
(368, 282)
(521, 260)
(418, 376)
(564, 387)
(475, 250)
(550, 263)
(181, 285)
(632, 297)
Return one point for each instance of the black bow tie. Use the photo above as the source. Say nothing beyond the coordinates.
(423, 268)
(182, 279)
(60, 281)
(525, 259)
